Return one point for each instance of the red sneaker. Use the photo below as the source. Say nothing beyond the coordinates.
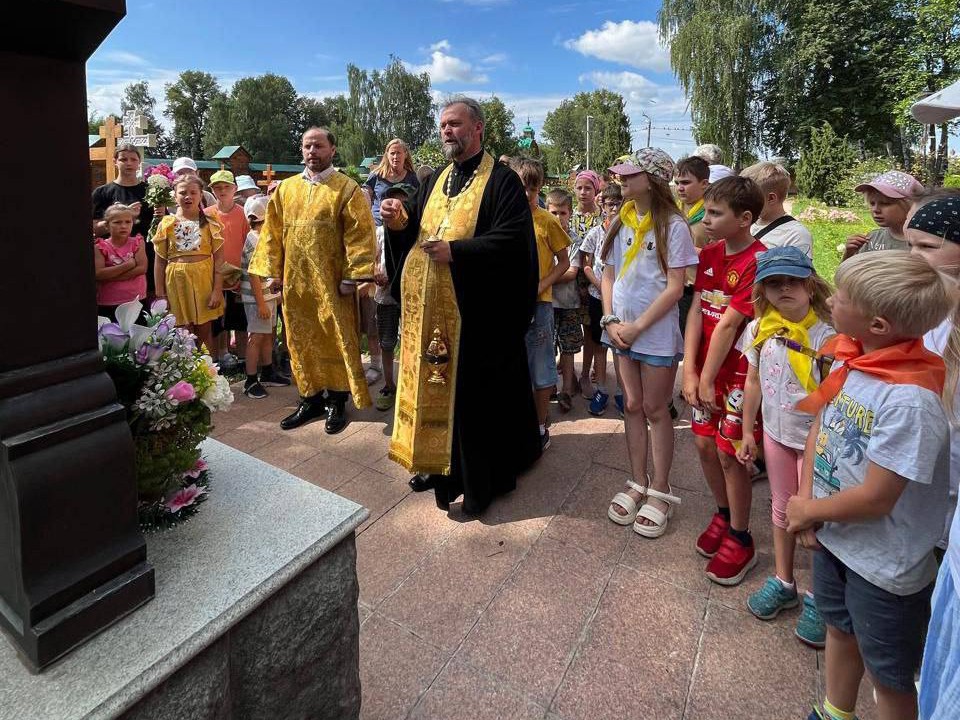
(709, 541)
(731, 563)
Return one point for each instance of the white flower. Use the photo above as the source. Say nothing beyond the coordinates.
(218, 396)
(158, 181)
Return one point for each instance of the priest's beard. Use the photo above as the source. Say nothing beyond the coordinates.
(454, 147)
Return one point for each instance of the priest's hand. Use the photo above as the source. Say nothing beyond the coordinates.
(438, 251)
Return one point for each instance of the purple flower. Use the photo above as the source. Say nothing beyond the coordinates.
(158, 307)
(113, 334)
(184, 498)
(181, 392)
(149, 354)
(164, 327)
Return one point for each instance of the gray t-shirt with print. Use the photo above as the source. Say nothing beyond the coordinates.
(566, 295)
(901, 428)
(883, 239)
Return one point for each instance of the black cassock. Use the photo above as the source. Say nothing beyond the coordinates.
(495, 274)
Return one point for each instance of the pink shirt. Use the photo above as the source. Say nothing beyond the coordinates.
(117, 292)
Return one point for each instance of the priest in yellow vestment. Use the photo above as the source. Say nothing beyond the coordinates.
(319, 238)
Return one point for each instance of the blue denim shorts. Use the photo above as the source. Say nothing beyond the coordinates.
(655, 360)
(540, 357)
(889, 628)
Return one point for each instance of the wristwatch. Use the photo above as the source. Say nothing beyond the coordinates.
(608, 319)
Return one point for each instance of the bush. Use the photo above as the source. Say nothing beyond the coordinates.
(824, 164)
(353, 173)
(862, 171)
(951, 181)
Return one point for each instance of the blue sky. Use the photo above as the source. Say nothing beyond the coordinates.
(531, 55)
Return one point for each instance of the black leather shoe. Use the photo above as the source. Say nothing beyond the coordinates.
(421, 483)
(308, 409)
(336, 416)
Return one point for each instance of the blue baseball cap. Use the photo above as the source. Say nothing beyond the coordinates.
(786, 260)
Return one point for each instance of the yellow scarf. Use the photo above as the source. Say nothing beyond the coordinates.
(640, 227)
(773, 323)
(695, 213)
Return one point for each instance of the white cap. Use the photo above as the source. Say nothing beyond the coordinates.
(245, 182)
(256, 207)
(184, 163)
(719, 172)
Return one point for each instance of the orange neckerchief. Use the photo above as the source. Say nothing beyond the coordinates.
(906, 363)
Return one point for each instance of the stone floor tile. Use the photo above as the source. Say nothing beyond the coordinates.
(396, 668)
(366, 446)
(375, 492)
(464, 691)
(739, 656)
(327, 469)
(250, 436)
(285, 453)
(390, 549)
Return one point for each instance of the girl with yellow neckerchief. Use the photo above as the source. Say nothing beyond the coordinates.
(792, 323)
(646, 253)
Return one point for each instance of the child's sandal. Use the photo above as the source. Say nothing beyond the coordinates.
(657, 517)
(626, 502)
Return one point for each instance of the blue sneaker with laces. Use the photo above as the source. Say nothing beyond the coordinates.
(598, 404)
(618, 399)
(772, 597)
(810, 627)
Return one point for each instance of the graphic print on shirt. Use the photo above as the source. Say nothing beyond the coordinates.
(844, 434)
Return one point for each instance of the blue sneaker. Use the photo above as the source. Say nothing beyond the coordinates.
(772, 597)
(618, 399)
(598, 404)
(810, 627)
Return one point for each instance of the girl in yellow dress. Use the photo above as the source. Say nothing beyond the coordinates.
(189, 260)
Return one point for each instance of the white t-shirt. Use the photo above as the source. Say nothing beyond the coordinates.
(901, 428)
(592, 244)
(936, 341)
(780, 388)
(644, 281)
(790, 233)
(566, 295)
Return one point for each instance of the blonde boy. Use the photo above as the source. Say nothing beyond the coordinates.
(552, 244)
(774, 227)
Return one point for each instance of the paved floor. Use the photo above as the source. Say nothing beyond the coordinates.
(542, 607)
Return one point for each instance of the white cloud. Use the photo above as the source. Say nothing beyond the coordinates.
(630, 43)
(495, 59)
(120, 57)
(445, 68)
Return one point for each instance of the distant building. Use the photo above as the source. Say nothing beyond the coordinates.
(528, 143)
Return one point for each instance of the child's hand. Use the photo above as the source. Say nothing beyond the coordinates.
(797, 518)
(540, 288)
(380, 277)
(808, 538)
(689, 391)
(263, 311)
(621, 335)
(748, 449)
(708, 397)
(216, 299)
(855, 242)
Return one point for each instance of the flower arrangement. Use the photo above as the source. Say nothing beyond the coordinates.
(160, 180)
(832, 215)
(169, 388)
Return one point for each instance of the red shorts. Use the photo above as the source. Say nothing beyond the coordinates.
(725, 427)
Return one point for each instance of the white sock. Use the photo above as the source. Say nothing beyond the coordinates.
(786, 585)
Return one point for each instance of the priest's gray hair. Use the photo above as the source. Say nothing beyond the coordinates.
(476, 112)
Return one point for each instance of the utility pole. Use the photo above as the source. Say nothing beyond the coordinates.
(589, 118)
(649, 124)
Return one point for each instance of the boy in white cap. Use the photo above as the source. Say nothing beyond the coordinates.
(260, 307)
(246, 189)
(889, 196)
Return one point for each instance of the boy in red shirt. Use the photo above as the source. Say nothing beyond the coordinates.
(713, 383)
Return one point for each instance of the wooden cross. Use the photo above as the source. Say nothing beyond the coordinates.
(110, 131)
(267, 177)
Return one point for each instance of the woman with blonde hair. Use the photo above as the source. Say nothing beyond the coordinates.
(395, 168)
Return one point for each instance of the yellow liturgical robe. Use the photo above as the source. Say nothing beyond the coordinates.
(316, 235)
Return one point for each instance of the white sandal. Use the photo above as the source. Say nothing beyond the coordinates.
(657, 517)
(627, 503)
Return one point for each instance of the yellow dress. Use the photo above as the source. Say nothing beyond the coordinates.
(189, 284)
(316, 235)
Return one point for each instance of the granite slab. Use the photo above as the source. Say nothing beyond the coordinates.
(258, 530)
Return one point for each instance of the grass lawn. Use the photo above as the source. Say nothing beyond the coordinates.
(827, 236)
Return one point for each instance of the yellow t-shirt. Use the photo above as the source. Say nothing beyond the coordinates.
(551, 239)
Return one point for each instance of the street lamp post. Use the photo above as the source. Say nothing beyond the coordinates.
(649, 123)
(589, 118)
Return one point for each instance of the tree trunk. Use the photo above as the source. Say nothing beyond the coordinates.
(942, 157)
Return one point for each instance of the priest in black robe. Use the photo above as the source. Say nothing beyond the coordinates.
(492, 431)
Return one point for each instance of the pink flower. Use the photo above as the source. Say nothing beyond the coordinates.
(198, 467)
(184, 498)
(181, 392)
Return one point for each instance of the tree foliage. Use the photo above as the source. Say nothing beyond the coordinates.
(824, 166)
(566, 129)
(188, 104)
(499, 132)
(261, 113)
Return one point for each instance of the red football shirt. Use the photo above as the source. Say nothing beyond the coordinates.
(725, 281)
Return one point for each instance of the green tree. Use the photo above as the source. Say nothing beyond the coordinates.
(824, 166)
(188, 101)
(136, 96)
(566, 129)
(499, 132)
(715, 50)
(262, 114)
(429, 153)
(94, 120)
